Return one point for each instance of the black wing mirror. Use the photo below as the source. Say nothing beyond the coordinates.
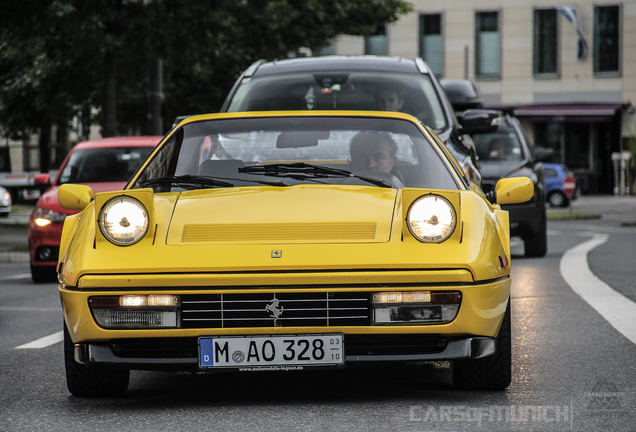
(478, 121)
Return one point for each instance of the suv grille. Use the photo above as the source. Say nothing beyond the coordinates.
(275, 310)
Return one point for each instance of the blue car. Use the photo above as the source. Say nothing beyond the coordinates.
(558, 180)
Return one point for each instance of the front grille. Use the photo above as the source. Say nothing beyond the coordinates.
(325, 309)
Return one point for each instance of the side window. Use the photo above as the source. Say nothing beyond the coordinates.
(163, 161)
(550, 172)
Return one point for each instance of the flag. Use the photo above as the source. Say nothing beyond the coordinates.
(569, 13)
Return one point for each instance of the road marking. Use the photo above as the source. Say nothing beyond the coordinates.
(614, 307)
(44, 342)
(20, 276)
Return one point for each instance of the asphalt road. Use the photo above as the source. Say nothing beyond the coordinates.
(573, 367)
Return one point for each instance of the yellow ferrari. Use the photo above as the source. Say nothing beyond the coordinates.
(288, 241)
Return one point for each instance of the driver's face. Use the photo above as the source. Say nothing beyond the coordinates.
(372, 157)
(388, 101)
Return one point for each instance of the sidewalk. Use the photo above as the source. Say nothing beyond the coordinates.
(16, 238)
(616, 207)
(17, 217)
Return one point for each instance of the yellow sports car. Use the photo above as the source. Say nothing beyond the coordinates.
(287, 241)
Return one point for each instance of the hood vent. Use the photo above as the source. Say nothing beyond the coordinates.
(328, 231)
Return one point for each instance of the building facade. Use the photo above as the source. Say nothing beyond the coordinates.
(568, 70)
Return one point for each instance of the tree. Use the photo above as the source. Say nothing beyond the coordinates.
(63, 58)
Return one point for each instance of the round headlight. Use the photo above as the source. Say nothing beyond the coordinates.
(123, 220)
(431, 219)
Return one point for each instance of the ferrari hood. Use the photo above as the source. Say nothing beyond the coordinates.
(299, 214)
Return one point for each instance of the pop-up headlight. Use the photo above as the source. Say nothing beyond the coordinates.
(431, 219)
(123, 220)
(136, 311)
(418, 307)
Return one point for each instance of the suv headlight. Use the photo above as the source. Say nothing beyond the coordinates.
(123, 220)
(431, 219)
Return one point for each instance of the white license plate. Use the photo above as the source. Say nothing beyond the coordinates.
(272, 352)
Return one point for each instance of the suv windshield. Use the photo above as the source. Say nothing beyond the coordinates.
(286, 151)
(409, 93)
(502, 145)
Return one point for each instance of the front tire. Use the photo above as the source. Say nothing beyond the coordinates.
(536, 246)
(42, 274)
(92, 381)
(489, 373)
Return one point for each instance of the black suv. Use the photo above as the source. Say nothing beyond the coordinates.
(508, 152)
(361, 83)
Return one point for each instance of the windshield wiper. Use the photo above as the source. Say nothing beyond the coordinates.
(206, 181)
(186, 180)
(305, 171)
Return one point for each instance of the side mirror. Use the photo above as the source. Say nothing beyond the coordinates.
(544, 155)
(478, 121)
(43, 179)
(74, 196)
(512, 190)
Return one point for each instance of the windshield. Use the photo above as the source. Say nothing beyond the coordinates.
(502, 145)
(408, 93)
(114, 164)
(285, 151)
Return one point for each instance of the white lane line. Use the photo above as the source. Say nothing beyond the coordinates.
(617, 309)
(44, 342)
(20, 276)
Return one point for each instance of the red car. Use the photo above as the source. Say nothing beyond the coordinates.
(104, 165)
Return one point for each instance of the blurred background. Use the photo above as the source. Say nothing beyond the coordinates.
(72, 70)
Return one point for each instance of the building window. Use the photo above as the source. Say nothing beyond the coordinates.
(606, 39)
(545, 42)
(431, 43)
(377, 43)
(487, 45)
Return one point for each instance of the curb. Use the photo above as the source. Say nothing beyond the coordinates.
(14, 223)
(577, 215)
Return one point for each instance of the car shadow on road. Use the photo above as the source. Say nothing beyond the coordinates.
(357, 382)
(383, 384)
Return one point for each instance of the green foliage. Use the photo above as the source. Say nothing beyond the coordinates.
(53, 53)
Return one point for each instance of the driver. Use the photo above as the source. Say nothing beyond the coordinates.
(373, 151)
(389, 98)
